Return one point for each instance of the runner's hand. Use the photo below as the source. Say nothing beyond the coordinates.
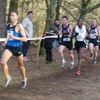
(3, 44)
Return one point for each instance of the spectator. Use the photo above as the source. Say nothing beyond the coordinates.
(48, 42)
(28, 26)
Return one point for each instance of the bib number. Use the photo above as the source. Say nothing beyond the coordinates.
(66, 39)
(9, 33)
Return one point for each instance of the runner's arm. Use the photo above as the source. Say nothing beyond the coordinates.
(74, 34)
(22, 32)
(98, 30)
(70, 31)
(60, 32)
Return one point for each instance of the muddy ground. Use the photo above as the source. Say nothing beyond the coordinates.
(49, 82)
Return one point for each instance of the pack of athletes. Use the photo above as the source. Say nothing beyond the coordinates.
(93, 35)
(66, 37)
(14, 46)
(80, 37)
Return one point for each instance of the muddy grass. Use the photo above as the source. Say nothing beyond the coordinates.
(49, 82)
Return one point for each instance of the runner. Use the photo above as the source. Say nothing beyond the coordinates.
(66, 41)
(15, 36)
(80, 34)
(94, 33)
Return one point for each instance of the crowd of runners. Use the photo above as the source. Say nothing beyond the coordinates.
(82, 38)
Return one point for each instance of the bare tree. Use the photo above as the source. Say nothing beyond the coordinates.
(2, 20)
(59, 4)
(2, 17)
(13, 7)
(84, 8)
(50, 11)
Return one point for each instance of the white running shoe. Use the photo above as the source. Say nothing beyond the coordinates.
(91, 57)
(24, 83)
(72, 65)
(7, 81)
(94, 62)
(63, 63)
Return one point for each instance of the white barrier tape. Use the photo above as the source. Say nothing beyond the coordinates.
(35, 38)
(2, 39)
(39, 38)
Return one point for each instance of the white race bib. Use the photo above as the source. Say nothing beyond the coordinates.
(66, 39)
(9, 33)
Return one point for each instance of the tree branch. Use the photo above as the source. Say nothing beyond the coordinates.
(88, 1)
(93, 8)
(69, 12)
(75, 5)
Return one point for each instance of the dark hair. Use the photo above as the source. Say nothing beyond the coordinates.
(80, 18)
(94, 19)
(56, 19)
(14, 12)
(30, 12)
(66, 17)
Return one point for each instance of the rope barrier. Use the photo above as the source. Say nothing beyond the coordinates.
(35, 38)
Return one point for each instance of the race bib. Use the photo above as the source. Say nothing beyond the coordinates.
(92, 36)
(9, 33)
(66, 39)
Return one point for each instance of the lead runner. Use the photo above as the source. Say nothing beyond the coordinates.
(13, 47)
(80, 36)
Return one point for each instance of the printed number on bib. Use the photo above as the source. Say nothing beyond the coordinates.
(66, 39)
(9, 33)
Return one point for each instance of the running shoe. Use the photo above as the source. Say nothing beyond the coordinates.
(7, 81)
(94, 62)
(63, 63)
(78, 73)
(72, 65)
(24, 83)
(91, 57)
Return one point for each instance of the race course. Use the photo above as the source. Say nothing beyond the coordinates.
(49, 82)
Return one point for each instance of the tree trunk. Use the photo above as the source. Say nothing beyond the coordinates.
(2, 17)
(59, 2)
(84, 5)
(22, 9)
(51, 12)
(2, 21)
(13, 7)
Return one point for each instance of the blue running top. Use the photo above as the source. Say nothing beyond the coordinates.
(13, 42)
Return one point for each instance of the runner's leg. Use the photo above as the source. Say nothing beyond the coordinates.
(21, 66)
(22, 69)
(91, 49)
(61, 51)
(4, 59)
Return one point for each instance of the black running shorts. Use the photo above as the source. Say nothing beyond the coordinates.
(79, 44)
(67, 44)
(16, 51)
(94, 42)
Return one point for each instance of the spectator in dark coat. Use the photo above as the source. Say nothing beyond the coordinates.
(48, 42)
